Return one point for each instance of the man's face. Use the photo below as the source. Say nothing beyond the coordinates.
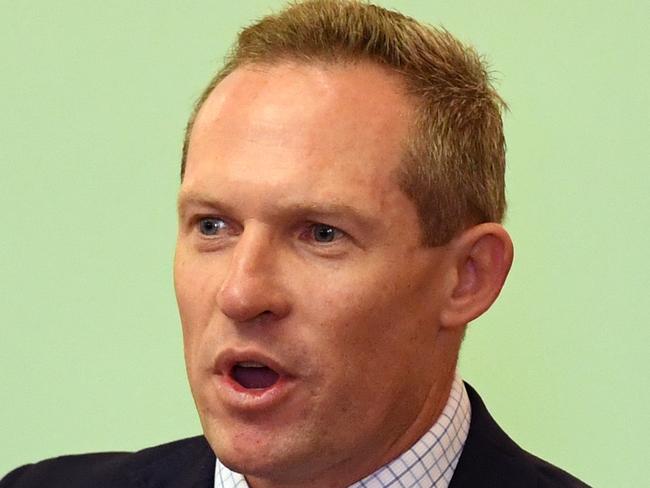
(309, 306)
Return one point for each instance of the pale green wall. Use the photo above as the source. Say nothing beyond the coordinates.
(94, 97)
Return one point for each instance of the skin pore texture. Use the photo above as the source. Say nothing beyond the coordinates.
(298, 250)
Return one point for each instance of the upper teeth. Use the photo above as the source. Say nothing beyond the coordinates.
(251, 364)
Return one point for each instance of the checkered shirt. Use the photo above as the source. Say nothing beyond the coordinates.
(429, 463)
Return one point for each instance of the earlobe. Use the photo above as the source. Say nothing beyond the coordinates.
(482, 257)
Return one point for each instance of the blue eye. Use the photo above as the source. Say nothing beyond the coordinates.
(211, 226)
(324, 233)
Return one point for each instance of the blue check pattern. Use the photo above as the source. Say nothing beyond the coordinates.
(429, 463)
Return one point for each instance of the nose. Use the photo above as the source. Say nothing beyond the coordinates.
(252, 289)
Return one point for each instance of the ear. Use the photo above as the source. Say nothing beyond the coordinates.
(480, 261)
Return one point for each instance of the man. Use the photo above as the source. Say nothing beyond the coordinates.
(342, 188)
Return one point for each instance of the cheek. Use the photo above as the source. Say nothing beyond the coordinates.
(195, 298)
(358, 306)
(366, 320)
(192, 282)
(349, 324)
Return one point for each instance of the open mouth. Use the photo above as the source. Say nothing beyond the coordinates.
(253, 375)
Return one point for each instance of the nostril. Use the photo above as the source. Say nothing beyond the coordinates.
(249, 300)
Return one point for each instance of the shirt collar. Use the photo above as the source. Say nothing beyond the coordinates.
(429, 463)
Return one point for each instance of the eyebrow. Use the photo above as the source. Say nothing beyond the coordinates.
(197, 199)
(300, 209)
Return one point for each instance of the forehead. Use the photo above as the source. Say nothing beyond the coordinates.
(307, 123)
(361, 94)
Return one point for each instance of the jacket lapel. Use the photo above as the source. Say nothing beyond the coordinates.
(490, 458)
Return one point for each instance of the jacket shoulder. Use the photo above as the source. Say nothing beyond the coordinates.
(490, 458)
(551, 476)
(96, 470)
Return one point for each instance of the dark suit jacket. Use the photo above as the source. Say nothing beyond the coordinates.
(490, 459)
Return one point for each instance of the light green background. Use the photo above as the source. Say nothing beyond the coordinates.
(93, 101)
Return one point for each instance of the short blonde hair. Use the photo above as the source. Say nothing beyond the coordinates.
(455, 161)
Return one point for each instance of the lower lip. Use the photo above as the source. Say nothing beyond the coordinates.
(236, 397)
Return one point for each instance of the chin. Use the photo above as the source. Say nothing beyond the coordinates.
(256, 462)
(257, 452)
(244, 449)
